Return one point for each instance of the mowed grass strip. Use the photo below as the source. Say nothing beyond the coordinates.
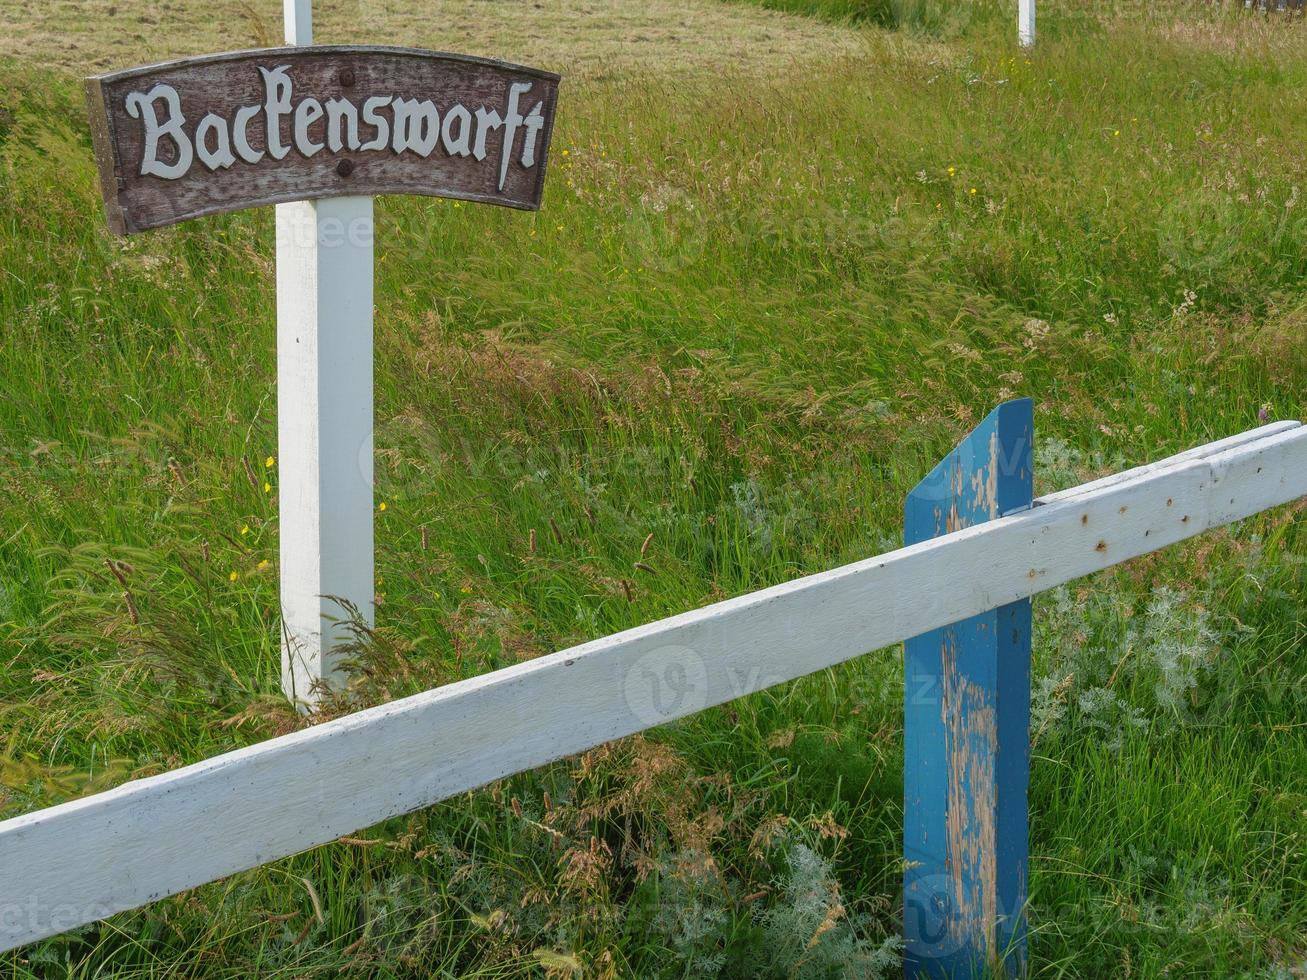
(579, 37)
(752, 313)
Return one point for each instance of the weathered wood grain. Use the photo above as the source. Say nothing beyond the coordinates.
(86, 859)
(966, 730)
(232, 93)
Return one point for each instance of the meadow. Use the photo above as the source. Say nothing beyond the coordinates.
(756, 307)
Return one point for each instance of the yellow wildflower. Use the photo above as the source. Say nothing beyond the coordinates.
(233, 576)
(270, 462)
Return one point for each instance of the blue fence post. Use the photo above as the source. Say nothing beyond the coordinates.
(966, 731)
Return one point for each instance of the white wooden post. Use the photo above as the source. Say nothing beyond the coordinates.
(1025, 23)
(324, 421)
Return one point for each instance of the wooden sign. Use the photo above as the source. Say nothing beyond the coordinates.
(228, 131)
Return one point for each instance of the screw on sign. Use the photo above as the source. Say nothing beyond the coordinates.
(318, 131)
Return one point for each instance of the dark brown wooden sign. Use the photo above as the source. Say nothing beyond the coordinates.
(229, 131)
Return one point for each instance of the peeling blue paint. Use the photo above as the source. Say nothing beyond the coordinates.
(966, 731)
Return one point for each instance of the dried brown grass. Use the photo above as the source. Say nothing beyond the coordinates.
(580, 37)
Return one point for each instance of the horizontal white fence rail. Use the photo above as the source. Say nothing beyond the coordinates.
(81, 861)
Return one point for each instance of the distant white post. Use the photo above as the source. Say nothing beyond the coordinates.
(1025, 22)
(324, 421)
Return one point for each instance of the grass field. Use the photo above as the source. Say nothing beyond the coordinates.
(755, 309)
(584, 38)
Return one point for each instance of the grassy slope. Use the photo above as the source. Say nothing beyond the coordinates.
(745, 326)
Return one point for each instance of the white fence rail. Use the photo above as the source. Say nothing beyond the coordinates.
(83, 860)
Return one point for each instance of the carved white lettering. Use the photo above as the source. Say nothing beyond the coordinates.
(240, 134)
(307, 113)
(457, 146)
(512, 120)
(276, 103)
(218, 155)
(141, 106)
(310, 125)
(342, 114)
(371, 116)
(487, 119)
(534, 120)
(417, 126)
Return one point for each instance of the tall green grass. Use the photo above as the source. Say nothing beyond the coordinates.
(749, 317)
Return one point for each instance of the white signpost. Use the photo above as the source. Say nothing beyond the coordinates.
(1025, 22)
(317, 131)
(324, 423)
